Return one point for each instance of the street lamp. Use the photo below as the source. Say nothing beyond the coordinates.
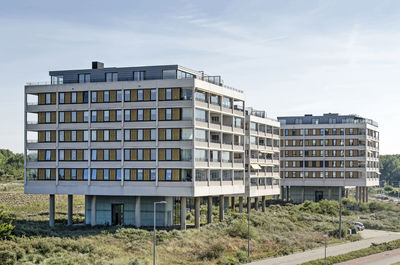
(248, 225)
(325, 236)
(154, 234)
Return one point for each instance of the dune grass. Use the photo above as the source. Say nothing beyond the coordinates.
(283, 229)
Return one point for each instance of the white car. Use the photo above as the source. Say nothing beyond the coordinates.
(359, 226)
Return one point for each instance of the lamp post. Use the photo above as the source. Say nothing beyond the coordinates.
(248, 225)
(154, 234)
(325, 236)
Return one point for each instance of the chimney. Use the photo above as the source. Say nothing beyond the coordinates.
(97, 65)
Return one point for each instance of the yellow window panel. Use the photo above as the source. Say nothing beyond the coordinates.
(161, 94)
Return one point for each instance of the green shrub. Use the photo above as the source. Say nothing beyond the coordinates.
(214, 251)
(239, 228)
(241, 256)
(6, 226)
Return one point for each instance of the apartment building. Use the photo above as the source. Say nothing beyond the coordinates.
(129, 137)
(321, 156)
(262, 156)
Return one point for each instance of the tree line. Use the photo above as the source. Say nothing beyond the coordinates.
(390, 169)
(11, 165)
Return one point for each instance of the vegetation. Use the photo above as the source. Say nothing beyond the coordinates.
(390, 169)
(283, 229)
(11, 165)
(373, 249)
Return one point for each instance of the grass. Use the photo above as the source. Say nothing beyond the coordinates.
(373, 249)
(283, 229)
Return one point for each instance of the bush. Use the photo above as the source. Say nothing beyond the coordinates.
(239, 228)
(6, 227)
(214, 251)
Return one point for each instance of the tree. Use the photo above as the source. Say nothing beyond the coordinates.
(390, 169)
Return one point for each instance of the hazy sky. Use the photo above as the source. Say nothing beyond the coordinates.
(290, 57)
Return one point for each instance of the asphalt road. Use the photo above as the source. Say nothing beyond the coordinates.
(369, 236)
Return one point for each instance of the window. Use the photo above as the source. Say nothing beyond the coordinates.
(168, 154)
(138, 75)
(119, 154)
(85, 174)
(106, 96)
(201, 135)
(119, 115)
(168, 174)
(168, 114)
(152, 174)
(73, 155)
(226, 157)
(226, 102)
(127, 95)
(106, 136)
(73, 136)
(94, 155)
(119, 135)
(127, 174)
(85, 116)
(85, 97)
(111, 77)
(61, 174)
(61, 155)
(153, 93)
(73, 97)
(201, 175)
(140, 95)
(186, 93)
(94, 135)
(214, 100)
(48, 117)
(168, 94)
(48, 98)
(169, 74)
(118, 174)
(187, 133)
(57, 80)
(106, 155)
(94, 96)
(73, 116)
(127, 115)
(94, 174)
(153, 114)
(61, 99)
(153, 134)
(184, 75)
(168, 134)
(106, 174)
(106, 115)
(94, 116)
(119, 95)
(238, 122)
(140, 114)
(83, 78)
(140, 174)
(61, 136)
(140, 154)
(253, 126)
(48, 139)
(214, 156)
(85, 136)
(127, 154)
(201, 115)
(200, 96)
(153, 154)
(215, 175)
(201, 155)
(127, 135)
(48, 155)
(140, 134)
(73, 173)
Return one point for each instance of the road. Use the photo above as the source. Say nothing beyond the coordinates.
(384, 258)
(369, 236)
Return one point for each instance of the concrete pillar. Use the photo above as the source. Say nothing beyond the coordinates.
(93, 211)
(183, 213)
(287, 193)
(357, 195)
(256, 203)
(241, 204)
(366, 194)
(221, 208)
(137, 212)
(303, 194)
(362, 196)
(248, 204)
(52, 204)
(282, 193)
(70, 208)
(197, 212)
(209, 210)
(346, 193)
(329, 193)
(233, 203)
(263, 203)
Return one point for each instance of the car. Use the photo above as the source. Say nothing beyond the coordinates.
(385, 198)
(398, 202)
(359, 226)
(391, 200)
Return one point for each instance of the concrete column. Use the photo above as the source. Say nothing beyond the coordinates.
(240, 204)
(221, 208)
(197, 212)
(183, 213)
(329, 193)
(263, 203)
(248, 204)
(70, 208)
(137, 212)
(233, 203)
(303, 194)
(209, 210)
(256, 203)
(356, 196)
(366, 194)
(282, 193)
(362, 196)
(52, 203)
(287, 193)
(93, 211)
(346, 193)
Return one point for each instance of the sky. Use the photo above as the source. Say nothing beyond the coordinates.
(290, 57)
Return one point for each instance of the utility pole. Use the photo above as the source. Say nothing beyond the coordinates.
(340, 212)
